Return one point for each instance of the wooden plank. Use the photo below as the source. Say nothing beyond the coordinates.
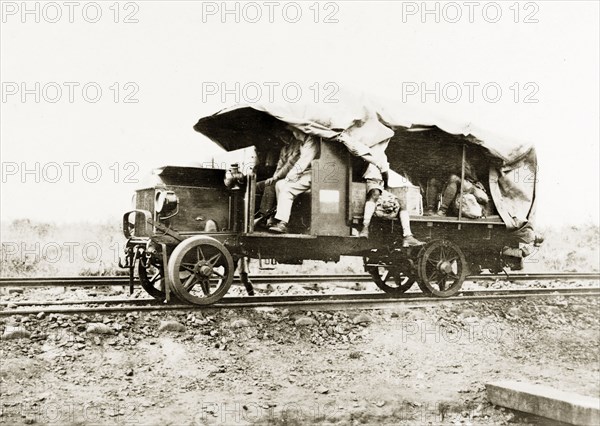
(545, 401)
(492, 220)
(280, 236)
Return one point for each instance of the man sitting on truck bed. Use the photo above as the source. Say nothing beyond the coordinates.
(376, 177)
(297, 180)
(288, 156)
(449, 193)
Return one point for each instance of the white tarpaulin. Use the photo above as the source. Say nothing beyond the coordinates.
(360, 121)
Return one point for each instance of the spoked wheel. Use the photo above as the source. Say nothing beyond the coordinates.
(152, 279)
(391, 280)
(441, 268)
(201, 270)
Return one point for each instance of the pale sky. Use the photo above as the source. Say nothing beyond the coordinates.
(178, 54)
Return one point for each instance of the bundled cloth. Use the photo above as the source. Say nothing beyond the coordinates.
(475, 201)
(387, 206)
(470, 207)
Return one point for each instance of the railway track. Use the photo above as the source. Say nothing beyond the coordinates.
(323, 302)
(279, 279)
(361, 300)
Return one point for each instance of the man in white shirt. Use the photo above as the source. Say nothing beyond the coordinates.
(296, 182)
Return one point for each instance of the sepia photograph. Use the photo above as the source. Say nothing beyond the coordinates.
(296, 213)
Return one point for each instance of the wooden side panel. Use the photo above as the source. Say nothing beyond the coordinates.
(300, 219)
(358, 198)
(330, 191)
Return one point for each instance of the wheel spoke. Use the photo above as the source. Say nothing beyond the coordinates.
(190, 283)
(205, 284)
(187, 268)
(199, 253)
(213, 260)
(442, 284)
(218, 274)
(156, 277)
(431, 277)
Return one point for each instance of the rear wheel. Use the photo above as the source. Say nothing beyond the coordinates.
(442, 268)
(391, 280)
(201, 270)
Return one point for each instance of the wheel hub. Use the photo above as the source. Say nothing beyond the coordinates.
(445, 267)
(203, 269)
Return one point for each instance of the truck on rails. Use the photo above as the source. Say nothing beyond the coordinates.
(187, 231)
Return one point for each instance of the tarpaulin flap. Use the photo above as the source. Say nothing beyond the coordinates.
(240, 128)
(513, 192)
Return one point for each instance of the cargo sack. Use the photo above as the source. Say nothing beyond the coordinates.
(387, 206)
(470, 207)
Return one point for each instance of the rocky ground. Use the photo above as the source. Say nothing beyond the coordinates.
(418, 366)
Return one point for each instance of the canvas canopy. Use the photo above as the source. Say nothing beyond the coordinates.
(421, 144)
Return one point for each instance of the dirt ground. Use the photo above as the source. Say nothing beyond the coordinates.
(416, 366)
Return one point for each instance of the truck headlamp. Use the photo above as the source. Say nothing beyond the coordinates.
(166, 204)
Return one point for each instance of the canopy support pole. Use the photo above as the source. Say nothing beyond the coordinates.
(462, 180)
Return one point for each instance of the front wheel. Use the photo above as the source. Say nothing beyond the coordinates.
(201, 270)
(152, 279)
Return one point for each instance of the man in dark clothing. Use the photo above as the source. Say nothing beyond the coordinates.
(470, 185)
(288, 156)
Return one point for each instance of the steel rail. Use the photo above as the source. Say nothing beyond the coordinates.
(267, 279)
(329, 302)
(294, 298)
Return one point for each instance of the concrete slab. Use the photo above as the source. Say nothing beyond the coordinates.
(545, 401)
